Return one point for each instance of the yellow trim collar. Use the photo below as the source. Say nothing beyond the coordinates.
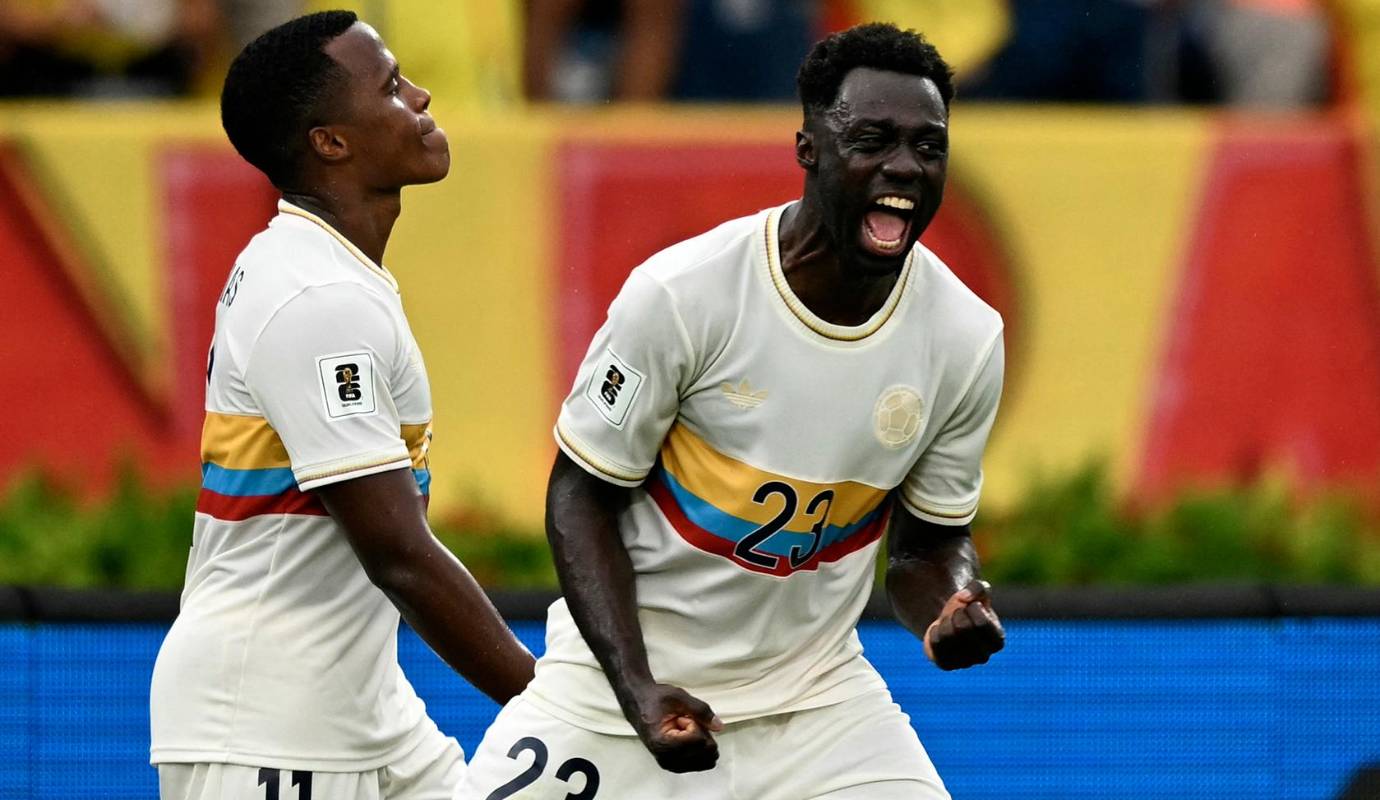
(828, 330)
(288, 208)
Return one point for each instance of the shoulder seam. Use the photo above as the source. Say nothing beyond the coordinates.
(268, 320)
(952, 277)
(984, 355)
(681, 328)
(750, 233)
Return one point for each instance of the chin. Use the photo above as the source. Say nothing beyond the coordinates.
(437, 171)
(872, 265)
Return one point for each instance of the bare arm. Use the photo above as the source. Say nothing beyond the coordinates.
(936, 590)
(596, 577)
(385, 520)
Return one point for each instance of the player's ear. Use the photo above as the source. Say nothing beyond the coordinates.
(805, 150)
(328, 144)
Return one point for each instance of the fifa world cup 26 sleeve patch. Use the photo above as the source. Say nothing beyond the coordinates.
(613, 387)
(347, 384)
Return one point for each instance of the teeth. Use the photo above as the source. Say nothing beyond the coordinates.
(885, 243)
(896, 202)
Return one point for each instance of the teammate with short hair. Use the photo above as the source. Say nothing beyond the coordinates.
(763, 401)
(280, 677)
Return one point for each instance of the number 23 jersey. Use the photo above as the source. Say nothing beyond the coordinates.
(764, 446)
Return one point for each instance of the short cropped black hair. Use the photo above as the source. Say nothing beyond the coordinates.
(277, 90)
(877, 45)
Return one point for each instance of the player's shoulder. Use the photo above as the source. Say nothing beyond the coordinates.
(290, 259)
(294, 253)
(723, 248)
(948, 303)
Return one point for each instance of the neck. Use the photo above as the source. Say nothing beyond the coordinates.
(365, 219)
(818, 275)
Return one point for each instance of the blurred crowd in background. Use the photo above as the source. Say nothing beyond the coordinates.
(1256, 53)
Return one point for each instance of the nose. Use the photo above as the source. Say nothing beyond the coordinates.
(423, 99)
(903, 165)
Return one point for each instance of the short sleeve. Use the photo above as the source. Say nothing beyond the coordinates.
(320, 371)
(627, 391)
(944, 485)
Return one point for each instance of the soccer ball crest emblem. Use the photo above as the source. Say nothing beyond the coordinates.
(897, 416)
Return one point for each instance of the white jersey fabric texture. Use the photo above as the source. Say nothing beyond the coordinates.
(766, 445)
(284, 653)
(861, 749)
(416, 776)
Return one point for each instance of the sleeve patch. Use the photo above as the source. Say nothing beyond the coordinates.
(347, 384)
(613, 388)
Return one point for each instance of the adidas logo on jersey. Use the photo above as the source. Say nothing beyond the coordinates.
(742, 395)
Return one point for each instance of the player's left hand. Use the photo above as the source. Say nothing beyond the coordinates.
(967, 631)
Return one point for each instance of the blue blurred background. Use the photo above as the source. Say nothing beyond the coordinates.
(1285, 709)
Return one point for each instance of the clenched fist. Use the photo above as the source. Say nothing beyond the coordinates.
(967, 631)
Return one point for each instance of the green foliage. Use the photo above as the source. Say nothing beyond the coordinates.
(1066, 531)
(136, 539)
(500, 557)
(1072, 531)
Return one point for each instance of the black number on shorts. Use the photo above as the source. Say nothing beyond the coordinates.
(528, 776)
(269, 779)
(302, 780)
(745, 549)
(585, 768)
(540, 756)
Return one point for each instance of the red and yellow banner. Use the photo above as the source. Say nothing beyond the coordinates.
(1189, 297)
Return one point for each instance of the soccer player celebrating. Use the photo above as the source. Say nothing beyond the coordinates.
(764, 401)
(280, 676)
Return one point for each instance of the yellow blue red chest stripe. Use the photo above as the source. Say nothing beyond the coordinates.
(761, 521)
(246, 471)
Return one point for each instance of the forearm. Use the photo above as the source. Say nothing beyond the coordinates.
(921, 577)
(450, 611)
(385, 521)
(596, 577)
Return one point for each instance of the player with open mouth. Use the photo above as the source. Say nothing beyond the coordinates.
(763, 403)
(886, 226)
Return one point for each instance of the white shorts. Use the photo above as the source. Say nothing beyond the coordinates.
(423, 774)
(861, 749)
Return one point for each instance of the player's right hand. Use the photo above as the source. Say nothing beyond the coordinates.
(678, 728)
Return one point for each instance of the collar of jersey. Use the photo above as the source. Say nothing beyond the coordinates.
(828, 330)
(288, 208)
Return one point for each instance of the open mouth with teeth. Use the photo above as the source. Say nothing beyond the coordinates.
(886, 226)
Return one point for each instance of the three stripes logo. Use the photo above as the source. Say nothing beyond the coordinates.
(743, 395)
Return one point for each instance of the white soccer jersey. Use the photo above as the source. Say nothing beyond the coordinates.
(765, 443)
(284, 653)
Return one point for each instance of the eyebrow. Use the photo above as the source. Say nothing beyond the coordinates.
(392, 76)
(859, 122)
